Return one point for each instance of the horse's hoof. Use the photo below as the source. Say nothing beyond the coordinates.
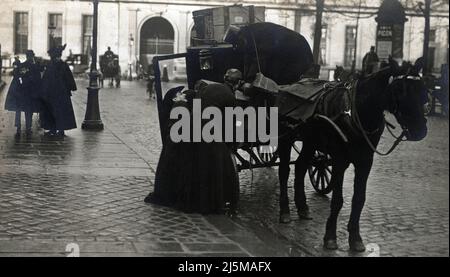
(285, 218)
(357, 246)
(330, 244)
(304, 214)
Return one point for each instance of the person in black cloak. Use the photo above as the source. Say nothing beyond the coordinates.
(196, 177)
(277, 52)
(57, 113)
(23, 92)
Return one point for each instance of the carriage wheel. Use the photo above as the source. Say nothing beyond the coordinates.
(320, 172)
(267, 154)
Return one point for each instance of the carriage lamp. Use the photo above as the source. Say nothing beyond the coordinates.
(206, 59)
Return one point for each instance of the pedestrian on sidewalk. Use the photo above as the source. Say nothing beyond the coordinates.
(23, 92)
(57, 113)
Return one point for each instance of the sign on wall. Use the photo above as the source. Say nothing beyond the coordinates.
(389, 41)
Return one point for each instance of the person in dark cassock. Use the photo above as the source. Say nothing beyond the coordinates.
(277, 52)
(196, 177)
(23, 92)
(57, 113)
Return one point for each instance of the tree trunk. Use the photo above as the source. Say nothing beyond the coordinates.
(426, 39)
(318, 30)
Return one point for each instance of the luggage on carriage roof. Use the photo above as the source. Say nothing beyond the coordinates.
(212, 24)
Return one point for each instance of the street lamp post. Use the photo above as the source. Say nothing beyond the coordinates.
(92, 119)
(130, 61)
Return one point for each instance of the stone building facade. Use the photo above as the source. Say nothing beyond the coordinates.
(138, 29)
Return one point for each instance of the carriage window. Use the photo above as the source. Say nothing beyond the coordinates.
(350, 47)
(54, 30)
(87, 34)
(20, 32)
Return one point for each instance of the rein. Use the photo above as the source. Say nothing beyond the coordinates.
(359, 126)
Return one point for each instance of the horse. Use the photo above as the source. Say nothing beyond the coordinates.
(398, 90)
(341, 75)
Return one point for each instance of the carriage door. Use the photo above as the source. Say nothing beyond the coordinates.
(156, 38)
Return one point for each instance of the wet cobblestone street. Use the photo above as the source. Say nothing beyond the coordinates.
(89, 189)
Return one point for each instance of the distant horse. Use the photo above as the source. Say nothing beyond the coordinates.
(342, 75)
(399, 91)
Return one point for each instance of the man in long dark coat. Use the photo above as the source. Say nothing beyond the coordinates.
(276, 51)
(370, 61)
(57, 114)
(23, 92)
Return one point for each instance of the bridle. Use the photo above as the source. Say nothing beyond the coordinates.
(394, 110)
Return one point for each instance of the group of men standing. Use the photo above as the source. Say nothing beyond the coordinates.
(44, 89)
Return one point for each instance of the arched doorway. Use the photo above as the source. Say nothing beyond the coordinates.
(156, 38)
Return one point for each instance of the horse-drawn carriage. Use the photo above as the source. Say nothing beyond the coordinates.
(338, 123)
(110, 70)
(210, 62)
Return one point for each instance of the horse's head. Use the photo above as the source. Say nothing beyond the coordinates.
(408, 95)
(338, 72)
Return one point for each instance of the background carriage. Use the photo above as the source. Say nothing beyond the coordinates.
(209, 60)
(110, 69)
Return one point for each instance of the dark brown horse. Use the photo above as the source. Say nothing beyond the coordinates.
(398, 90)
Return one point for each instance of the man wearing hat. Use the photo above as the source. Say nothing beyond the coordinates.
(57, 113)
(23, 92)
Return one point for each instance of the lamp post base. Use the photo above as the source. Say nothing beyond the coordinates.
(92, 119)
(92, 125)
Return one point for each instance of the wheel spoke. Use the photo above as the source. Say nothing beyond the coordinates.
(324, 184)
(327, 178)
(314, 171)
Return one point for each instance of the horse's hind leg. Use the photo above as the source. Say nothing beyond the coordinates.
(301, 166)
(284, 150)
(337, 200)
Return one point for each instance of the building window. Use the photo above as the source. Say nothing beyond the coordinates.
(350, 46)
(323, 46)
(20, 32)
(87, 34)
(54, 30)
(430, 60)
(298, 21)
(433, 35)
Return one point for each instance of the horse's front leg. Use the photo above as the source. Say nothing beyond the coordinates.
(301, 166)
(284, 150)
(362, 171)
(337, 200)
